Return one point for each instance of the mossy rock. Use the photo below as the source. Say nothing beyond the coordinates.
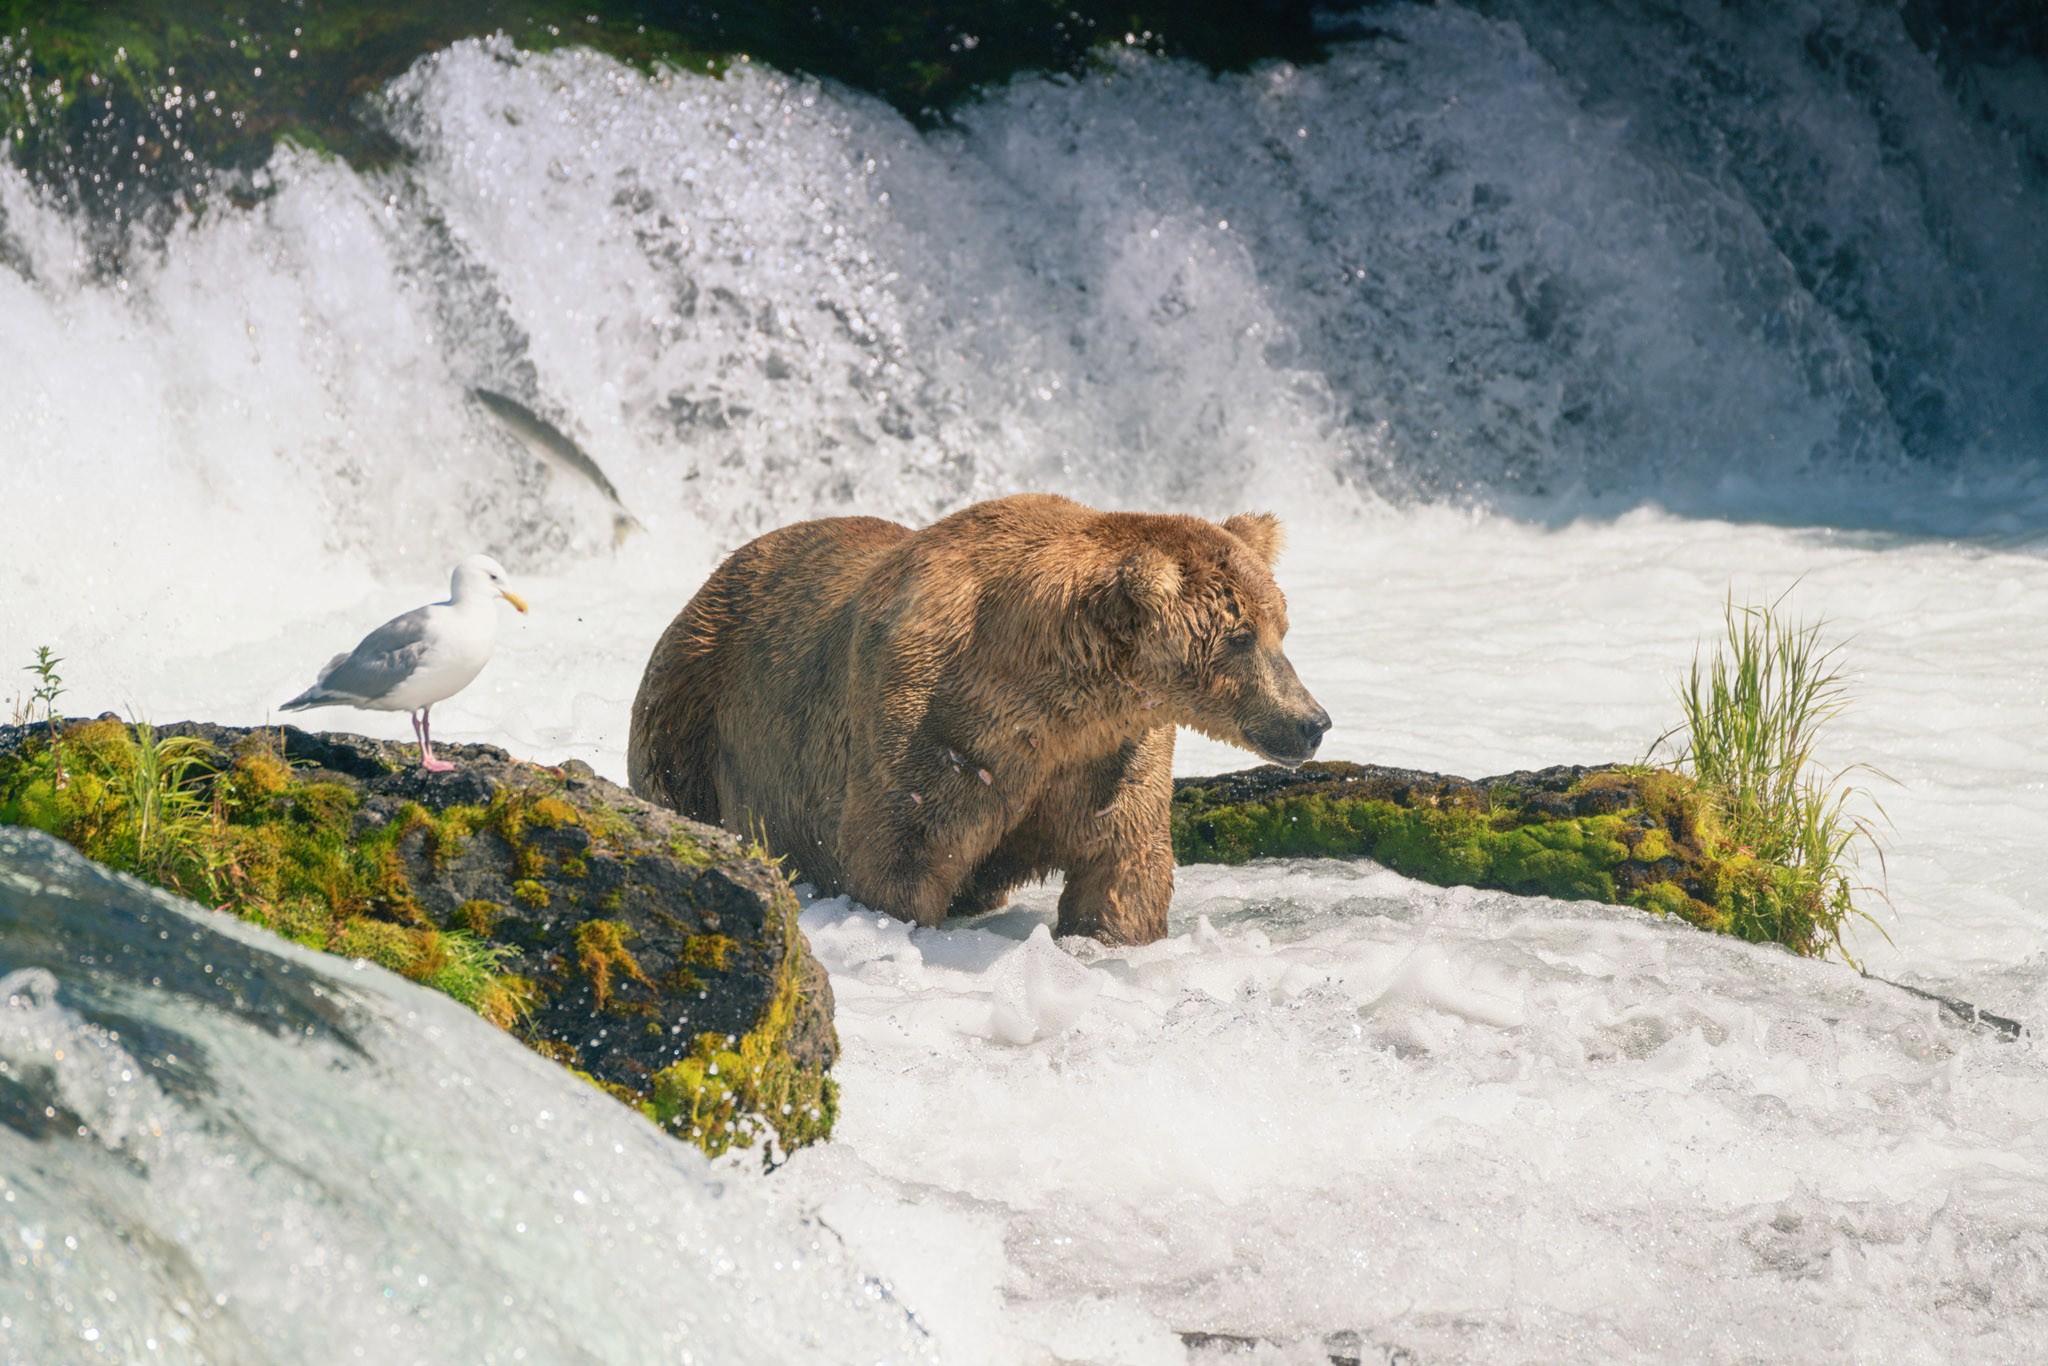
(652, 954)
(1626, 834)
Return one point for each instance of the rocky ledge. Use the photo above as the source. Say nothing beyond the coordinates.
(1629, 834)
(656, 956)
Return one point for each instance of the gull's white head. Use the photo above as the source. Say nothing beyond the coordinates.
(481, 577)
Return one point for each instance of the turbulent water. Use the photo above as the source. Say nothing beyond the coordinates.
(214, 1151)
(1543, 337)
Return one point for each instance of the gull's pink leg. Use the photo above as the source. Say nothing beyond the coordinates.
(427, 759)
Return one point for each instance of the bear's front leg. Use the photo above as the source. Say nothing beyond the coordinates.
(895, 864)
(912, 837)
(1120, 899)
(1119, 858)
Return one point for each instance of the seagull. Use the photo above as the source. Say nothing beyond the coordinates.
(413, 661)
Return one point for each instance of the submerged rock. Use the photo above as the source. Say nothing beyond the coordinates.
(657, 956)
(1626, 834)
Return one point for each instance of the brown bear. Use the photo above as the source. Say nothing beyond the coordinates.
(927, 719)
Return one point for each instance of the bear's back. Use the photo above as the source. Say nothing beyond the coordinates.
(737, 680)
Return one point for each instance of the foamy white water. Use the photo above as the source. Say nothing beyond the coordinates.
(1333, 1102)
(1459, 1124)
(280, 1155)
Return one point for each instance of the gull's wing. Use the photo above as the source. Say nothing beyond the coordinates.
(385, 658)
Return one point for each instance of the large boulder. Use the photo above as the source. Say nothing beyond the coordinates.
(657, 956)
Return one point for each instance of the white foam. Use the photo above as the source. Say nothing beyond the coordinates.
(413, 1187)
(1455, 1123)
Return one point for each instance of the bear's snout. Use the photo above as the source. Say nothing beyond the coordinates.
(1289, 738)
(1290, 724)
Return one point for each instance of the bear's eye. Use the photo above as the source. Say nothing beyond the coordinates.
(1239, 641)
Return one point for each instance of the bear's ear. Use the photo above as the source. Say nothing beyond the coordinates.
(1259, 530)
(1150, 579)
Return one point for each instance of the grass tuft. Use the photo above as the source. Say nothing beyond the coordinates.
(472, 970)
(173, 821)
(1753, 717)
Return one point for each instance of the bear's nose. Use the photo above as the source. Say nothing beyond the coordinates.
(1313, 728)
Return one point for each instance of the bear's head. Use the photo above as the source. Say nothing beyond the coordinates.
(1202, 621)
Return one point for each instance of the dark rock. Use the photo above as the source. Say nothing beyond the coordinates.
(656, 955)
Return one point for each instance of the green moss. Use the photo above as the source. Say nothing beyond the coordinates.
(573, 866)
(131, 799)
(261, 772)
(514, 813)
(1766, 903)
(402, 950)
(528, 892)
(1557, 860)
(445, 834)
(508, 1000)
(733, 1092)
(35, 803)
(1668, 898)
(306, 922)
(390, 888)
(610, 828)
(1448, 846)
(708, 951)
(550, 813)
(1653, 846)
(479, 917)
(602, 954)
(467, 968)
(685, 848)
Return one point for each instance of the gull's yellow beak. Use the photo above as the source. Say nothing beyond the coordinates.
(513, 598)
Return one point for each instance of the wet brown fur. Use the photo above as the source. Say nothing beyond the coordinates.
(928, 719)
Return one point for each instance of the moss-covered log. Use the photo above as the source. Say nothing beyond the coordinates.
(1630, 835)
(656, 956)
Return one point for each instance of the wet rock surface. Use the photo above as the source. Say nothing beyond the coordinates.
(1607, 831)
(656, 955)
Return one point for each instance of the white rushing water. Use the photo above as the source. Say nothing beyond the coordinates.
(1336, 1112)
(285, 1156)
